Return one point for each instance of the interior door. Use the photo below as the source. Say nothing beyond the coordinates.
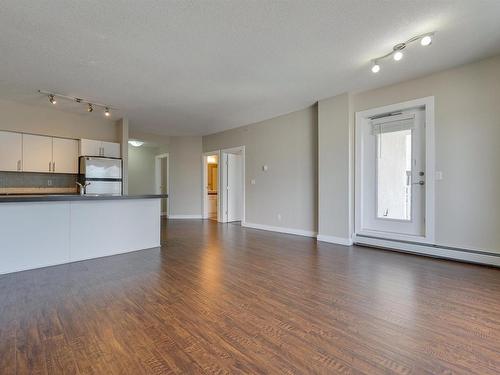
(393, 175)
(234, 187)
(65, 155)
(37, 153)
(11, 151)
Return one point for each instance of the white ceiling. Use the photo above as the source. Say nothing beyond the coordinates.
(198, 67)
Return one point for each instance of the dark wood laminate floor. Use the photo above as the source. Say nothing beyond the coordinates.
(222, 299)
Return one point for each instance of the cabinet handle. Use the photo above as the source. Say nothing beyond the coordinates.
(19, 165)
(53, 166)
(50, 166)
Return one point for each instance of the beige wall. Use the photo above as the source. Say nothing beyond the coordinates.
(141, 170)
(185, 170)
(54, 122)
(334, 158)
(467, 121)
(288, 146)
(185, 175)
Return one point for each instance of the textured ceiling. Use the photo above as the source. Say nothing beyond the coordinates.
(198, 67)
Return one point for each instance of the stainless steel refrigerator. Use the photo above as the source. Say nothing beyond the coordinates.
(103, 176)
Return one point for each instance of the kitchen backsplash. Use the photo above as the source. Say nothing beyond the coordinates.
(36, 183)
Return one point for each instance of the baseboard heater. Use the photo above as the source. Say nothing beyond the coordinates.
(435, 251)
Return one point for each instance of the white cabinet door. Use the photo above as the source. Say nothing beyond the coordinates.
(65, 155)
(89, 147)
(111, 149)
(37, 153)
(11, 151)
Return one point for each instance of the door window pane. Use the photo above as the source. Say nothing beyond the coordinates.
(394, 158)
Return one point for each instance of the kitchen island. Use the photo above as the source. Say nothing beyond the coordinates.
(45, 230)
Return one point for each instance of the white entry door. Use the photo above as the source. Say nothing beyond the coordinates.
(234, 187)
(393, 175)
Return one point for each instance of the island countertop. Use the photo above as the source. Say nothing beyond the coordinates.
(72, 197)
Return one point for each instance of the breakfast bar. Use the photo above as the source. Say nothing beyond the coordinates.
(44, 230)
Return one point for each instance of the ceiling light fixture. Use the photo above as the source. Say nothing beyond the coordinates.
(90, 105)
(375, 67)
(136, 143)
(397, 55)
(397, 50)
(426, 40)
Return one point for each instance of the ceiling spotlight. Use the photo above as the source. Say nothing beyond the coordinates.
(51, 99)
(426, 40)
(90, 108)
(136, 143)
(106, 112)
(398, 55)
(375, 67)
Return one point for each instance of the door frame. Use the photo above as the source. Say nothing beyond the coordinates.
(158, 179)
(204, 184)
(223, 192)
(362, 117)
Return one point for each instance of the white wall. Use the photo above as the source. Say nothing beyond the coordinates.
(288, 146)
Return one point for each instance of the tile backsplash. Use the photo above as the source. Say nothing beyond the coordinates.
(12, 182)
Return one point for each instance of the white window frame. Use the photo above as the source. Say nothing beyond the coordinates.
(362, 117)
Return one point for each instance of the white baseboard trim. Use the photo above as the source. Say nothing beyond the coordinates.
(297, 232)
(336, 240)
(436, 251)
(184, 216)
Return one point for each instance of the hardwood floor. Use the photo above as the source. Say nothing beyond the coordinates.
(221, 299)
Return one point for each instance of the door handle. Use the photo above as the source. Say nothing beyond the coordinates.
(50, 166)
(421, 183)
(53, 166)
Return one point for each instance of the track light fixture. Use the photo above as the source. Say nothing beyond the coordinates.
(90, 105)
(397, 50)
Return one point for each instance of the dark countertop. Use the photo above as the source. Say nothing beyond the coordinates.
(72, 197)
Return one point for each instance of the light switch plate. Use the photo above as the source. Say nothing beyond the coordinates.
(439, 175)
(252, 181)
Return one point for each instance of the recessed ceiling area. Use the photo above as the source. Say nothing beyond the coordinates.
(199, 67)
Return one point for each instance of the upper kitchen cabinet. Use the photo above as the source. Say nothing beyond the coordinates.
(111, 150)
(64, 155)
(11, 151)
(89, 147)
(37, 153)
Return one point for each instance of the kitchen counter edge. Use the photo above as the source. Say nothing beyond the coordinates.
(69, 197)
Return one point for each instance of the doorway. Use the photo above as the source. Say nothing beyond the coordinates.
(162, 181)
(211, 186)
(232, 192)
(395, 172)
